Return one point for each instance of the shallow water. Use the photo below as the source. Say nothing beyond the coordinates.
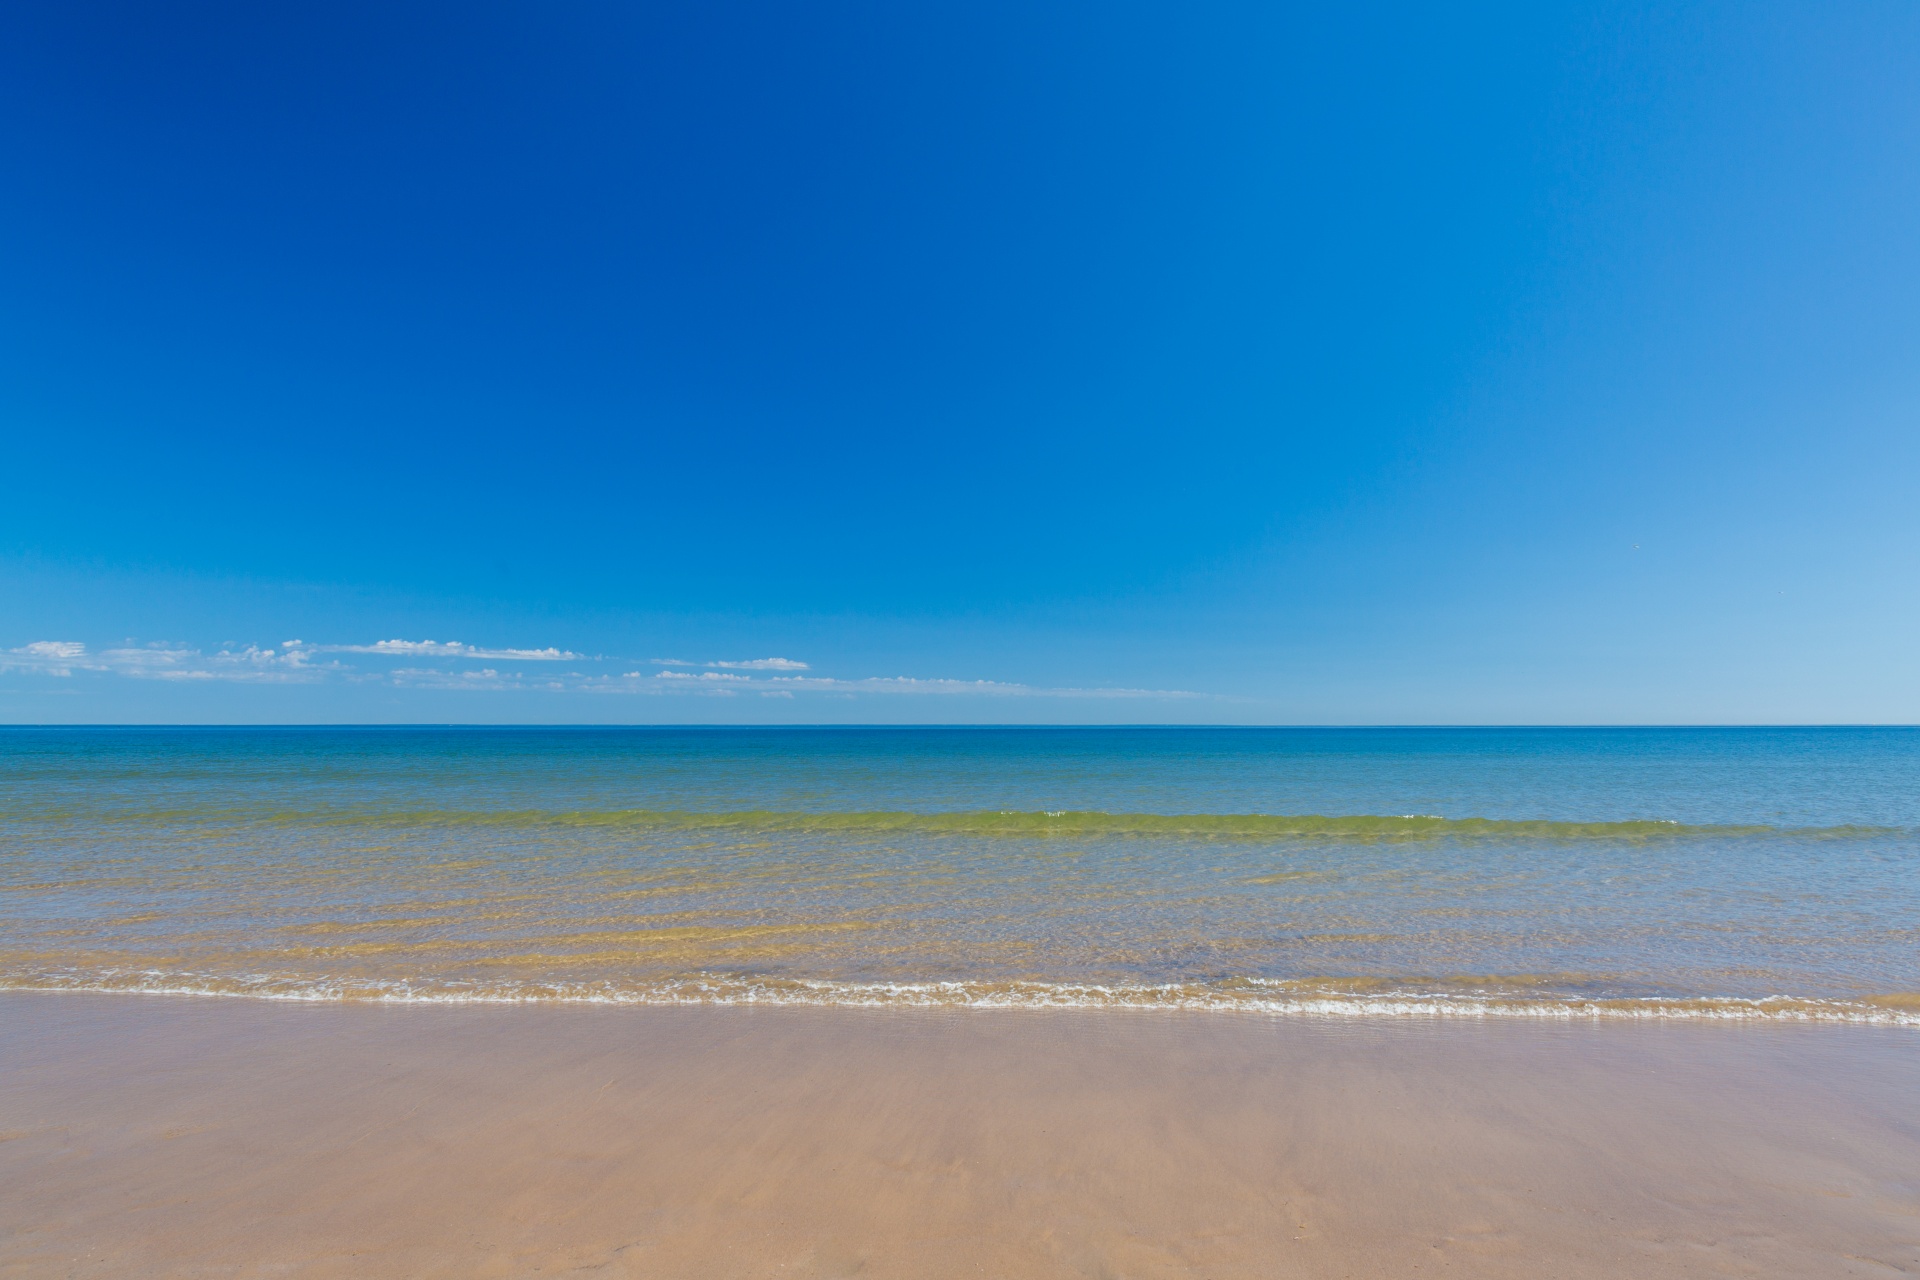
(1611, 872)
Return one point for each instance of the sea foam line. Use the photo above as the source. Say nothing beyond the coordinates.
(1249, 996)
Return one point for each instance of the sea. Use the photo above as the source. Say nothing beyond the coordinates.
(1569, 873)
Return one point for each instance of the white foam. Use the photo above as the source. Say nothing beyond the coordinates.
(1270, 998)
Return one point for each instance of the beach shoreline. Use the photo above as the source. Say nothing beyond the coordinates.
(178, 1136)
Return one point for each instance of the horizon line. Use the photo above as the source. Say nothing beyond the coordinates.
(964, 724)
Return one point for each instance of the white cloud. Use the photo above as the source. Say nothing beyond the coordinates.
(748, 664)
(714, 682)
(295, 662)
(430, 678)
(53, 649)
(165, 662)
(443, 649)
(990, 688)
(53, 657)
(251, 663)
(901, 684)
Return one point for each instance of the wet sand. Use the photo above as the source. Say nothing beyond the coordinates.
(153, 1136)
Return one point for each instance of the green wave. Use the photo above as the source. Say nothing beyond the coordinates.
(1001, 823)
(1094, 823)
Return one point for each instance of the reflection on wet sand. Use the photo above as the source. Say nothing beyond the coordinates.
(191, 1137)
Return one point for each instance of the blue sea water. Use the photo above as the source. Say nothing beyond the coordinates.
(1748, 872)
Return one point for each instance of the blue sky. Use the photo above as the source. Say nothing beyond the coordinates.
(978, 362)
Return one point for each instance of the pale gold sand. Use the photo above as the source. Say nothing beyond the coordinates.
(192, 1137)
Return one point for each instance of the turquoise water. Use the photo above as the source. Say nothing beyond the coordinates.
(1550, 872)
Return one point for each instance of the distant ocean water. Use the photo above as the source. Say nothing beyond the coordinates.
(1715, 873)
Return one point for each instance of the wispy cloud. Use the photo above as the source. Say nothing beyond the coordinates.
(483, 679)
(300, 662)
(441, 649)
(61, 658)
(748, 664)
(727, 683)
(54, 657)
(988, 688)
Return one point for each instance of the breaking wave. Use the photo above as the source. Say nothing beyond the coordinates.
(1254, 996)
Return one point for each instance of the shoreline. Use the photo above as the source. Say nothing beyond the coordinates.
(162, 1138)
(1269, 998)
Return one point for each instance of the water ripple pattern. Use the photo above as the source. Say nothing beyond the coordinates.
(1737, 873)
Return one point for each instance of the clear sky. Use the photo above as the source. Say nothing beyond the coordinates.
(1223, 362)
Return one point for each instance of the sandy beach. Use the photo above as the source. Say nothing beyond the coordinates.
(153, 1136)
(917, 642)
